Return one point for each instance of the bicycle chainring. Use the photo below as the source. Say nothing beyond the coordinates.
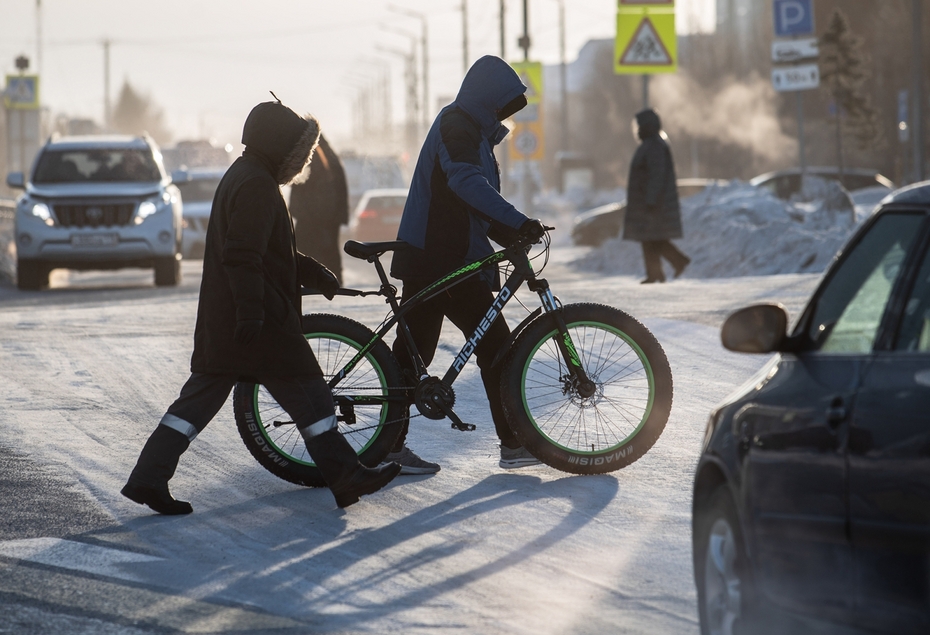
(429, 394)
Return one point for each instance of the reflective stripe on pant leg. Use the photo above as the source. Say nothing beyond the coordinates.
(179, 425)
(319, 427)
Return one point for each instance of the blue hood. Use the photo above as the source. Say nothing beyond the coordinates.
(489, 85)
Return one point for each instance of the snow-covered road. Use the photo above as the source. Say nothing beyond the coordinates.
(472, 549)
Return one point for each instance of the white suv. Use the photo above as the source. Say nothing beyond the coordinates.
(101, 202)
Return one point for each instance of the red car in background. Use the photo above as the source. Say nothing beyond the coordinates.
(377, 215)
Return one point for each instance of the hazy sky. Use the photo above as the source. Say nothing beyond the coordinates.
(207, 62)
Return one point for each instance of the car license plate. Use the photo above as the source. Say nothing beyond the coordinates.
(94, 240)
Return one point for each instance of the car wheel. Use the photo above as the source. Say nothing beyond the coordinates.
(721, 571)
(31, 275)
(168, 271)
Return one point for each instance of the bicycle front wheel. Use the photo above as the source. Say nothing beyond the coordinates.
(370, 403)
(592, 434)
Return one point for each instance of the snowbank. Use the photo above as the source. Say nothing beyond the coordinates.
(740, 230)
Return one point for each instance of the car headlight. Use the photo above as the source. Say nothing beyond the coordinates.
(43, 213)
(146, 209)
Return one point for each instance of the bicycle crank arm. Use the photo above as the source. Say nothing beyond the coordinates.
(457, 423)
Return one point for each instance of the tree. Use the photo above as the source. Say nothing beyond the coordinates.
(844, 72)
(136, 114)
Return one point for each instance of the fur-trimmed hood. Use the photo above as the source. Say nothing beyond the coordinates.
(283, 140)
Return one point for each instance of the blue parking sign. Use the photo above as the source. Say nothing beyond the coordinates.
(793, 17)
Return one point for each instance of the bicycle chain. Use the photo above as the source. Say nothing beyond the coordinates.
(392, 421)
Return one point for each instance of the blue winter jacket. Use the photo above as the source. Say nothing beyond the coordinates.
(454, 200)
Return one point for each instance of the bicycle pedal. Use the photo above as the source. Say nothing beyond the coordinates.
(464, 427)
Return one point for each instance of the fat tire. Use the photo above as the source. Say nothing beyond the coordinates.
(719, 506)
(611, 345)
(335, 339)
(168, 271)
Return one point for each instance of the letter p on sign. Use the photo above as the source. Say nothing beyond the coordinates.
(793, 17)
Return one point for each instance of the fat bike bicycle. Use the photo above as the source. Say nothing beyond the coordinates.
(586, 388)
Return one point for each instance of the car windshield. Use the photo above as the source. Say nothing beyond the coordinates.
(198, 191)
(96, 165)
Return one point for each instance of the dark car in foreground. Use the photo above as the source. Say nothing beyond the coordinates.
(811, 502)
(600, 224)
(97, 202)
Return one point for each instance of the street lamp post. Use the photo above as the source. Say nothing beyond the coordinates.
(425, 45)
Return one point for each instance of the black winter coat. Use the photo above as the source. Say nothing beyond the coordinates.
(250, 265)
(652, 208)
(323, 199)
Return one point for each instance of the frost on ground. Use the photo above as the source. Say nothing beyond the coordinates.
(740, 230)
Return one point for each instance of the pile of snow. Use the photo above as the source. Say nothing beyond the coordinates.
(741, 230)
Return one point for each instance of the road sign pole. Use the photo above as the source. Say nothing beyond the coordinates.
(801, 159)
(645, 91)
(917, 69)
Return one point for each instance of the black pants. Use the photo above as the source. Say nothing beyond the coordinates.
(307, 398)
(465, 305)
(655, 250)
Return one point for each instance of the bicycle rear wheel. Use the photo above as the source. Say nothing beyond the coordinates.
(613, 427)
(370, 403)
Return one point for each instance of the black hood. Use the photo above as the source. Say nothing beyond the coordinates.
(648, 123)
(281, 138)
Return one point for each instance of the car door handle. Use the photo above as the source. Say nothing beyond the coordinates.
(836, 413)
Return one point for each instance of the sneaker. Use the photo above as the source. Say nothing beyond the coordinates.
(512, 458)
(410, 463)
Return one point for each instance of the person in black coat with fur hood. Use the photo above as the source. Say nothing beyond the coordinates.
(248, 319)
(653, 213)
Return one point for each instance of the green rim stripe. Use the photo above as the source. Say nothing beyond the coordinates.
(642, 357)
(374, 365)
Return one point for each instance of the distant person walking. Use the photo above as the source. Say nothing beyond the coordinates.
(319, 206)
(653, 214)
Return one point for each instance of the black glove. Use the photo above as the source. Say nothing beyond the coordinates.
(247, 331)
(532, 228)
(327, 283)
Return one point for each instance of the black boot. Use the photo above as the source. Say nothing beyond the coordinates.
(148, 483)
(347, 478)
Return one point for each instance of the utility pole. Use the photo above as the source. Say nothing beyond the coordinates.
(424, 42)
(563, 80)
(503, 33)
(39, 37)
(412, 99)
(106, 85)
(918, 74)
(505, 158)
(527, 177)
(465, 57)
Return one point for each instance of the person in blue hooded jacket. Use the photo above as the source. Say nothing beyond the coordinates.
(453, 207)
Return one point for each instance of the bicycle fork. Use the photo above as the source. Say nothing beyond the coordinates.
(579, 378)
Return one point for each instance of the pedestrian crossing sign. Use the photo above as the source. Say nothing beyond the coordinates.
(21, 92)
(646, 42)
(530, 74)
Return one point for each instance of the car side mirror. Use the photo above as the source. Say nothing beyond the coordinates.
(760, 328)
(16, 180)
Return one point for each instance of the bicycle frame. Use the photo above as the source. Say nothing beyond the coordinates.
(522, 272)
